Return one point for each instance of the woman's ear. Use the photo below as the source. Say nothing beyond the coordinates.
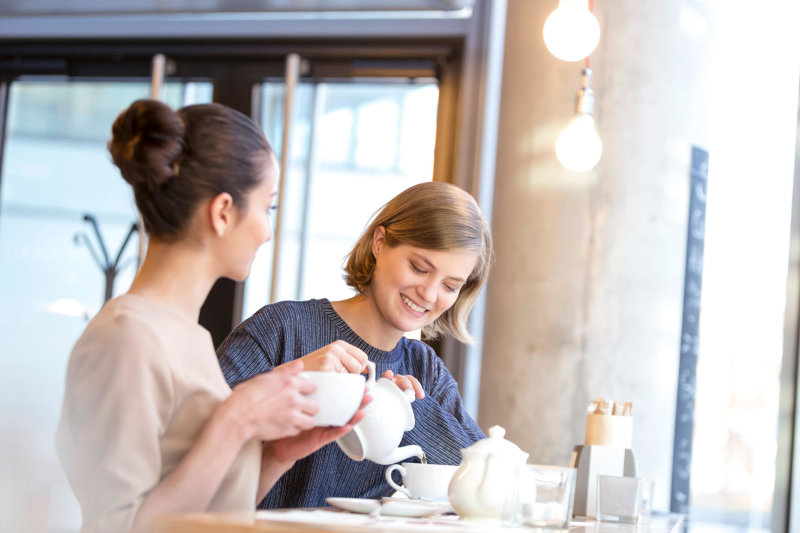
(221, 213)
(378, 240)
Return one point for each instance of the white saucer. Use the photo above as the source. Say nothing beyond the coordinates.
(354, 505)
(388, 506)
(442, 506)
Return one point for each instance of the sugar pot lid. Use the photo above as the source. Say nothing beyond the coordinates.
(496, 444)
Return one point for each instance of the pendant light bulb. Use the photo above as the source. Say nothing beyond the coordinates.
(571, 32)
(579, 147)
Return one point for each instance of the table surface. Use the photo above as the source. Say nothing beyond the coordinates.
(327, 520)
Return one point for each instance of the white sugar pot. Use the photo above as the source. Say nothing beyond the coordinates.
(485, 479)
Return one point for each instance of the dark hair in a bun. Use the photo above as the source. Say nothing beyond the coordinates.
(176, 159)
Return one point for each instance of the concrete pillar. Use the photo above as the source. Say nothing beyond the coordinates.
(586, 296)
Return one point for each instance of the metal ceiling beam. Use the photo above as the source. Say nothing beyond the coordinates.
(240, 25)
(108, 7)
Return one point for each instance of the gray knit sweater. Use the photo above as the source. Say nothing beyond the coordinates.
(284, 331)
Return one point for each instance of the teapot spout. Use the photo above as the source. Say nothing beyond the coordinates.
(403, 452)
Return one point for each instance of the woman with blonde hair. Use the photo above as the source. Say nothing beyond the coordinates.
(149, 426)
(420, 264)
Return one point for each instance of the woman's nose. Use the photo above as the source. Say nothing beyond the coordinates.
(268, 235)
(427, 292)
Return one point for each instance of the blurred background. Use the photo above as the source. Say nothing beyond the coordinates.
(589, 292)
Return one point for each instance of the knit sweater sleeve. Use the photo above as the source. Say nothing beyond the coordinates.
(274, 335)
(247, 352)
(443, 427)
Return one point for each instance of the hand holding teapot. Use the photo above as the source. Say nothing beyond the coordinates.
(386, 418)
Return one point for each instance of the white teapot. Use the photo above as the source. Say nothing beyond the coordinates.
(379, 433)
(485, 479)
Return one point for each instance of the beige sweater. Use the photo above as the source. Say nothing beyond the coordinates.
(141, 384)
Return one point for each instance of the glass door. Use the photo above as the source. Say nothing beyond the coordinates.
(65, 213)
(354, 145)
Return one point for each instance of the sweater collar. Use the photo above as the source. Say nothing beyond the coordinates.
(348, 335)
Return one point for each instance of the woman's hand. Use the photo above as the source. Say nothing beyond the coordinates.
(290, 449)
(272, 405)
(338, 356)
(405, 382)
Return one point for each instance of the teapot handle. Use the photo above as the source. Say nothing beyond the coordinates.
(371, 377)
(410, 395)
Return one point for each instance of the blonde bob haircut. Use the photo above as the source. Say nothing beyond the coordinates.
(434, 216)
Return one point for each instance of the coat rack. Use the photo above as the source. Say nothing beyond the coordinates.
(109, 269)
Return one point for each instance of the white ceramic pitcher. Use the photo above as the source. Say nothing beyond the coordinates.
(379, 433)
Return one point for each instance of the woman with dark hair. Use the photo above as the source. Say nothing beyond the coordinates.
(149, 425)
(420, 264)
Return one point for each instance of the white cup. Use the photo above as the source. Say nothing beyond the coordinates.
(338, 396)
(426, 481)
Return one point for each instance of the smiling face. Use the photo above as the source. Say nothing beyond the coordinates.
(411, 287)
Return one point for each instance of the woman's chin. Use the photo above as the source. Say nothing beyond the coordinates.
(238, 275)
(405, 325)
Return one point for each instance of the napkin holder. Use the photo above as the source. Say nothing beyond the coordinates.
(607, 452)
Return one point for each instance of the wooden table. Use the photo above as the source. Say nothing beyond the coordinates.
(271, 522)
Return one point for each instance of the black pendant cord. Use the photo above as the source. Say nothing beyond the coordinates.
(109, 269)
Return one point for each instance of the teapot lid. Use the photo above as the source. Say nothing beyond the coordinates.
(496, 444)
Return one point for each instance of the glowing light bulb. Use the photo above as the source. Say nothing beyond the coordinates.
(571, 32)
(579, 147)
